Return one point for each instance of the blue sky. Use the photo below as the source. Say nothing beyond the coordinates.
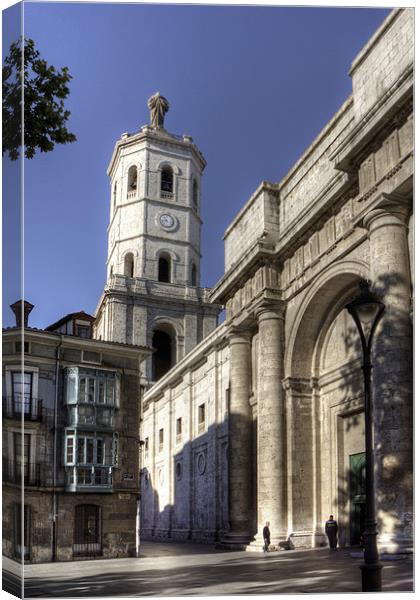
(252, 85)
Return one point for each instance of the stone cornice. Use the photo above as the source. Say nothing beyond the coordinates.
(122, 285)
(341, 184)
(355, 145)
(147, 134)
(254, 257)
(158, 202)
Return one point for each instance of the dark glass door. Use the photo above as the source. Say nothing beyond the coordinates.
(357, 497)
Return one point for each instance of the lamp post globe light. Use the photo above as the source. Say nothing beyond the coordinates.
(367, 311)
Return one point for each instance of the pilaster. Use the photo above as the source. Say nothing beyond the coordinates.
(302, 439)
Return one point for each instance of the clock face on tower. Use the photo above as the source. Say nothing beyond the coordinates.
(167, 221)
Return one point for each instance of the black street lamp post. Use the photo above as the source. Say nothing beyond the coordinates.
(366, 311)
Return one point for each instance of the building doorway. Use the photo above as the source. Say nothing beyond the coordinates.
(87, 531)
(357, 497)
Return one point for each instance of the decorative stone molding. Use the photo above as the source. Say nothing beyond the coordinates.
(299, 386)
(387, 209)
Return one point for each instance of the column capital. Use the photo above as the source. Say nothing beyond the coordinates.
(238, 335)
(299, 385)
(388, 209)
(270, 309)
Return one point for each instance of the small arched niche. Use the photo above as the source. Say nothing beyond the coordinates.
(132, 180)
(167, 180)
(164, 268)
(129, 264)
(163, 341)
(193, 274)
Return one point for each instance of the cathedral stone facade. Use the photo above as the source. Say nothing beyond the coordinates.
(262, 418)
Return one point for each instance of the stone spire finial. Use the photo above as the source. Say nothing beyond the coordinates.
(159, 106)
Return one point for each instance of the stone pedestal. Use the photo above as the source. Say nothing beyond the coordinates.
(240, 443)
(392, 374)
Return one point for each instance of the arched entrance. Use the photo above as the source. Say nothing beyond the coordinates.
(324, 410)
(163, 358)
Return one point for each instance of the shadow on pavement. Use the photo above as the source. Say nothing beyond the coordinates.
(248, 574)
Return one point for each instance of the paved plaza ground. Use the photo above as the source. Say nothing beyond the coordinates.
(198, 570)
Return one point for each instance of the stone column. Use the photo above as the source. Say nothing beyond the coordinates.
(392, 373)
(305, 520)
(240, 441)
(271, 446)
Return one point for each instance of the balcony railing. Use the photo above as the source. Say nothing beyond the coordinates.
(14, 406)
(13, 471)
(89, 477)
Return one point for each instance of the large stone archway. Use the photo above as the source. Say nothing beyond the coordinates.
(324, 405)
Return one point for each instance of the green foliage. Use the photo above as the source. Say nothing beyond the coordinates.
(45, 89)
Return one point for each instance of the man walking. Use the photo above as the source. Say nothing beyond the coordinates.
(331, 529)
(266, 536)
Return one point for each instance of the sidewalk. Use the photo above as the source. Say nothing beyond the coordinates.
(197, 570)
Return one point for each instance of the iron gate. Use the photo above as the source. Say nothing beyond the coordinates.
(87, 531)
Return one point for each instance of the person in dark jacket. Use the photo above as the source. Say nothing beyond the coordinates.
(266, 536)
(331, 529)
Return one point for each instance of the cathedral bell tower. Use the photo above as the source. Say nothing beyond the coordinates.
(152, 294)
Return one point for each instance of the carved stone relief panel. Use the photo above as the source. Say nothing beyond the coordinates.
(330, 231)
(387, 155)
(314, 246)
(367, 175)
(307, 259)
(385, 158)
(405, 136)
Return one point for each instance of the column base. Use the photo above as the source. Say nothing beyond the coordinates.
(306, 539)
(279, 541)
(235, 541)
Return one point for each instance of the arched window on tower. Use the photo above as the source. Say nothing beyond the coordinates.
(167, 180)
(129, 265)
(132, 181)
(164, 268)
(195, 195)
(164, 356)
(193, 274)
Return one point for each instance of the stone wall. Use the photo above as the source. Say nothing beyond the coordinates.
(258, 220)
(184, 492)
(384, 59)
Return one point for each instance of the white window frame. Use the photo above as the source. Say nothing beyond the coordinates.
(9, 369)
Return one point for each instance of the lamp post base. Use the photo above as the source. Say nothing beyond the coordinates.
(371, 577)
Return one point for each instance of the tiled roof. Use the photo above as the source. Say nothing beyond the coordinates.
(57, 333)
(80, 314)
